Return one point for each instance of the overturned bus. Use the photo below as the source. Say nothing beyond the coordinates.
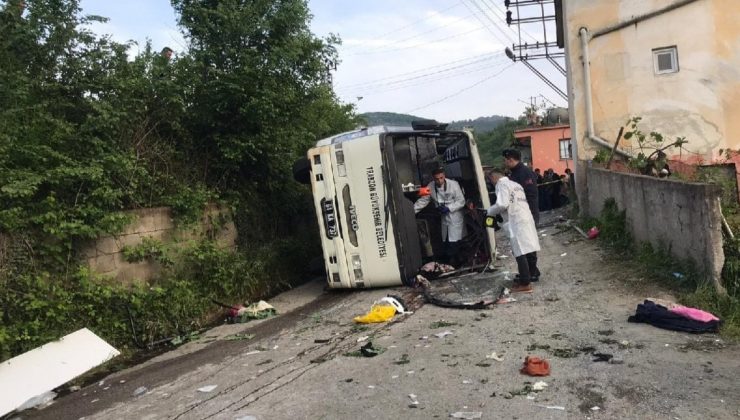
(365, 183)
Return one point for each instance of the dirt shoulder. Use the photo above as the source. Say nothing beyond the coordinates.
(298, 366)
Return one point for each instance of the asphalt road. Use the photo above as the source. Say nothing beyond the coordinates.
(300, 365)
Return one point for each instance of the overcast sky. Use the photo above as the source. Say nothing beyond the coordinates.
(439, 59)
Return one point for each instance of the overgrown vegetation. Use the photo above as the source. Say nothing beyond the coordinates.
(86, 131)
(659, 265)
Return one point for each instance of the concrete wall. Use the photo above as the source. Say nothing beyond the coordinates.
(546, 147)
(682, 217)
(105, 255)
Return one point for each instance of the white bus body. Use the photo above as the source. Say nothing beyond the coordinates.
(364, 183)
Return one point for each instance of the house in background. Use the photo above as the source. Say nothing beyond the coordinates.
(545, 147)
(675, 63)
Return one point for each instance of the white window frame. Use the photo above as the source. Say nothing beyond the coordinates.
(673, 50)
(568, 151)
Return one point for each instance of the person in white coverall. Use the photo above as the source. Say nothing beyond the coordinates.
(449, 199)
(511, 204)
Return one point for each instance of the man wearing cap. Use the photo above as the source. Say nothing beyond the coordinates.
(449, 199)
(525, 177)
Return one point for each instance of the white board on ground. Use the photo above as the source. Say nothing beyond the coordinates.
(49, 366)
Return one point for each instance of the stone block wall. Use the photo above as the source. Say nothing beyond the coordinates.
(105, 255)
(682, 217)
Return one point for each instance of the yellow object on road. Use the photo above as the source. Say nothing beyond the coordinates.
(378, 313)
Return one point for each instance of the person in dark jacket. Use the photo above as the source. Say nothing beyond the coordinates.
(524, 177)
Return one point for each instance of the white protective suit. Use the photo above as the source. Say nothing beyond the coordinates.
(450, 195)
(511, 203)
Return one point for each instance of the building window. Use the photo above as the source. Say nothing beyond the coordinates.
(565, 149)
(665, 60)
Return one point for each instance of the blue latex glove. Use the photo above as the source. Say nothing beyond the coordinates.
(443, 209)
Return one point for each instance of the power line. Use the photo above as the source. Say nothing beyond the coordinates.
(436, 28)
(486, 25)
(487, 78)
(470, 61)
(414, 22)
(381, 89)
(493, 22)
(434, 41)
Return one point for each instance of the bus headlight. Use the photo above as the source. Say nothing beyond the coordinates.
(357, 266)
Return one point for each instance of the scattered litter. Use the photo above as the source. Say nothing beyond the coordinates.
(394, 377)
(543, 235)
(539, 386)
(249, 353)
(595, 408)
(495, 357)
(247, 418)
(122, 381)
(535, 366)
(602, 357)
(363, 338)
(504, 300)
(552, 407)
(424, 337)
(140, 391)
(101, 383)
(483, 364)
(403, 360)
(467, 382)
(396, 302)
(39, 401)
(321, 340)
(236, 337)
(369, 351)
(379, 312)
(414, 400)
(259, 310)
(207, 388)
(38, 371)
(667, 345)
(371, 386)
(508, 395)
(678, 275)
(531, 397)
(563, 254)
(95, 400)
(442, 324)
(443, 334)
(74, 388)
(593, 233)
(503, 256)
(615, 361)
(275, 347)
(467, 415)
(409, 372)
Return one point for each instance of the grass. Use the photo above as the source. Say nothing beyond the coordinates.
(681, 276)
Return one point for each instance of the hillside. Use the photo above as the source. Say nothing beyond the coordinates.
(479, 125)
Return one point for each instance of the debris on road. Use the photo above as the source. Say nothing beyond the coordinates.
(140, 391)
(238, 337)
(539, 386)
(38, 371)
(443, 334)
(403, 360)
(363, 338)
(414, 401)
(660, 316)
(467, 415)
(552, 407)
(39, 401)
(602, 357)
(207, 388)
(379, 312)
(535, 366)
(249, 353)
(593, 233)
(240, 314)
(495, 357)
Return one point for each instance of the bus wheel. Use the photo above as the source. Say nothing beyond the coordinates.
(302, 171)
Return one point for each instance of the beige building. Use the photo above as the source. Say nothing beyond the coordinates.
(675, 63)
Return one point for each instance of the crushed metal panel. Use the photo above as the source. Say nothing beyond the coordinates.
(49, 366)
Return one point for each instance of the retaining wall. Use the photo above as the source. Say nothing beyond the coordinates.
(682, 217)
(105, 255)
